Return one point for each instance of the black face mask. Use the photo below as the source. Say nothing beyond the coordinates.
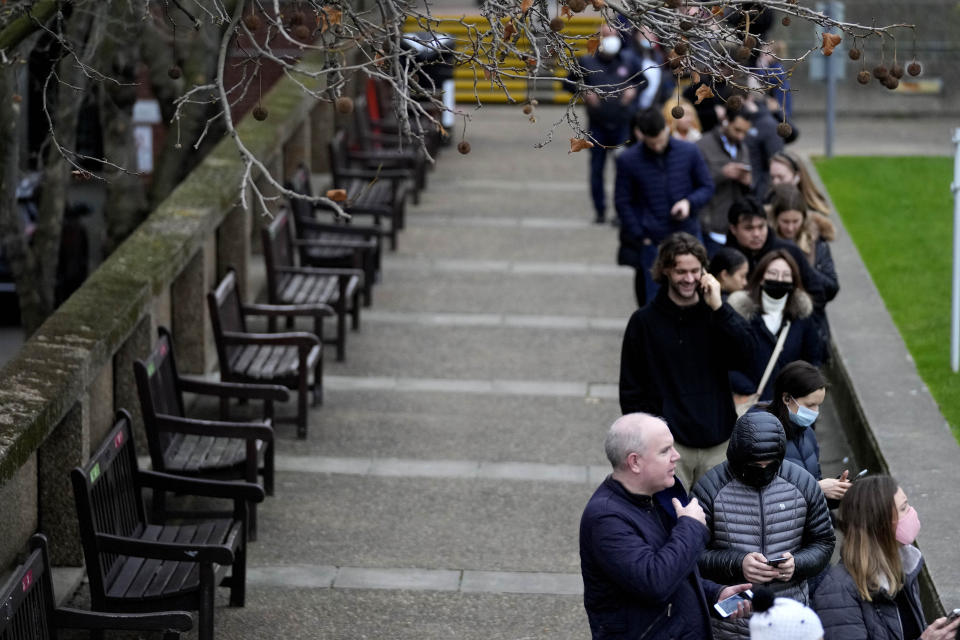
(776, 289)
(755, 476)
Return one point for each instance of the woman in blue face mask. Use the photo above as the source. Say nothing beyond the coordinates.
(798, 392)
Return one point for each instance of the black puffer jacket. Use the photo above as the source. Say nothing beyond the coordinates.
(847, 616)
(787, 514)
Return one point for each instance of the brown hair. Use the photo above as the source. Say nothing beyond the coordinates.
(815, 200)
(676, 244)
(756, 277)
(870, 551)
(787, 197)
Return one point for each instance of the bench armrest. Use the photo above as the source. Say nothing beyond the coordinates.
(300, 339)
(230, 489)
(250, 391)
(178, 552)
(322, 271)
(221, 428)
(343, 229)
(355, 242)
(275, 310)
(376, 174)
(67, 618)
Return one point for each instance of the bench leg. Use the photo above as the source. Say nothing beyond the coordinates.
(355, 311)
(252, 524)
(302, 392)
(318, 380)
(238, 576)
(250, 475)
(268, 469)
(205, 606)
(341, 330)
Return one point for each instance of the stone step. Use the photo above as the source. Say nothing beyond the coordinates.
(593, 244)
(498, 290)
(423, 523)
(410, 614)
(434, 425)
(488, 353)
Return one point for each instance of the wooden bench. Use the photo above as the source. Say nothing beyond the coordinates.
(388, 150)
(290, 283)
(293, 359)
(137, 565)
(218, 450)
(325, 240)
(28, 610)
(378, 193)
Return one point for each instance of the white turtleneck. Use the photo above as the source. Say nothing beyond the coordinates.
(773, 311)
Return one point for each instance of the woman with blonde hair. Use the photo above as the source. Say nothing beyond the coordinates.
(873, 594)
(785, 168)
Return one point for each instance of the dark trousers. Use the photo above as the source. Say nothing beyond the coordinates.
(602, 137)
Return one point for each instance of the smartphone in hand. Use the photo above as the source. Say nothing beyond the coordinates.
(728, 606)
(776, 560)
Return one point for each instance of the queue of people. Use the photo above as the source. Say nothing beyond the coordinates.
(736, 335)
(717, 520)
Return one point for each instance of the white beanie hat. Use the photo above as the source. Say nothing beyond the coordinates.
(786, 620)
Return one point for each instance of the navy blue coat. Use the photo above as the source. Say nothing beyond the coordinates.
(639, 564)
(804, 450)
(649, 184)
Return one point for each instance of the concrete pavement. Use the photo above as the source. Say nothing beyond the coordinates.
(440, 489)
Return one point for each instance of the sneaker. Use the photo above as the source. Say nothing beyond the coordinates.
(600, 219)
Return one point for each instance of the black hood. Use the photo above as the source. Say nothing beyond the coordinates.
(756, 436)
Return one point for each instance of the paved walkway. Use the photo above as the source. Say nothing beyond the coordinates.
(440, 489)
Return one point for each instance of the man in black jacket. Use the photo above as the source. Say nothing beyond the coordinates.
(640, 540)
(677, 351)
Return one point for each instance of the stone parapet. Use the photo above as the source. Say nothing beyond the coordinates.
(76, 369)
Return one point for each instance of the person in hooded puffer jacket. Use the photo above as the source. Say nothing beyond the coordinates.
(874, 594)
(759, 506)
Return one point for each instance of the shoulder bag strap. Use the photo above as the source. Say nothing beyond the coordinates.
(777, 350)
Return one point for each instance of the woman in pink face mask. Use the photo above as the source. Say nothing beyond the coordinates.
(873, 594)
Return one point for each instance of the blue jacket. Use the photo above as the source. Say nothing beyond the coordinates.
(648, 184)
(804, 450)
(639, 564)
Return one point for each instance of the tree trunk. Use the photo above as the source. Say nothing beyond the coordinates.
(126, 200)
(198, 50)
(15, 250)
(84, 32)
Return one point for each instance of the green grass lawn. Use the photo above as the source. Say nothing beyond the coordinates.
(899, 212)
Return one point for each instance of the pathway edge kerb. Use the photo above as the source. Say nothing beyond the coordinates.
(891, 420)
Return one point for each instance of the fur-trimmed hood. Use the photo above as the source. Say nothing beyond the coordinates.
(799, 305)
(820, 226)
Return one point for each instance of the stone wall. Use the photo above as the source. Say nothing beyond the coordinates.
(60, 392)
